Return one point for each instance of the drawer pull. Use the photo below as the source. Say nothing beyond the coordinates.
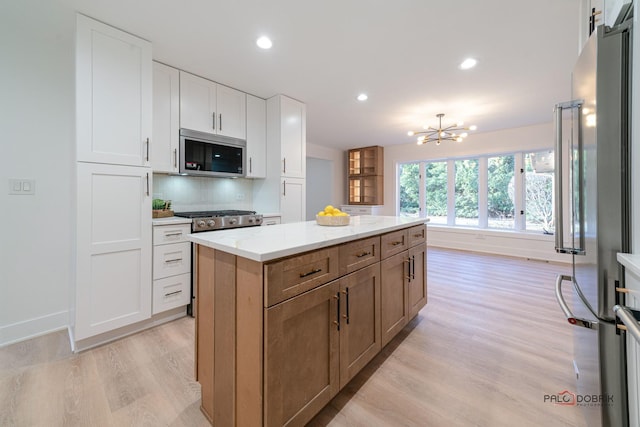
(418, 235)
(397, 243)
(337, 321)
(167, 261)
(173, 293)
(363, 254)
(314, 271)
(179, 233)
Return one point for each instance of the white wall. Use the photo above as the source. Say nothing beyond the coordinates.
(37, 114)
(505, 141)
(339, 159)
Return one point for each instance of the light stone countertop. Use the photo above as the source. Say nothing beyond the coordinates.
(281, 240)
(171, 220)
(630, 261)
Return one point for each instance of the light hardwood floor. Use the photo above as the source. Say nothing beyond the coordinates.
(488, 346)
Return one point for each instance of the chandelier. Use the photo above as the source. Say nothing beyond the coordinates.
(448, 133)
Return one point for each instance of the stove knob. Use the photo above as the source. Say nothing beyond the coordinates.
(251, 219)
(200, 223)
(233, 221)
(211, 223)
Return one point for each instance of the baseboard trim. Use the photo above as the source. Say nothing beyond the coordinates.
(32, 328)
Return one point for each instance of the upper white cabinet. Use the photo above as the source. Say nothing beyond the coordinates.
(256, 137)
(113, 95)
(287, 127)
(166, 118)
(209, 107)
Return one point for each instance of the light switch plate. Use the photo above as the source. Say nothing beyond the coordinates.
(22, 187)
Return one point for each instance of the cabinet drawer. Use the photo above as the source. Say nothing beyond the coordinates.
(163, 234)
(271, 220)
(293, 276)
(170, 260)
(393, 243)
(171, 292)
(417, 235)
(359, 254)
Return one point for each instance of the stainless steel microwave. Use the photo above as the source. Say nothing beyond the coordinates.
(205, 154)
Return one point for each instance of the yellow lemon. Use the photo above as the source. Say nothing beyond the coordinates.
(321, 213)
(335, 211)
(342, 214)
(328, 209)
(328, 214)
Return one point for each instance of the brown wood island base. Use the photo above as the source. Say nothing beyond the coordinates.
(277, 340)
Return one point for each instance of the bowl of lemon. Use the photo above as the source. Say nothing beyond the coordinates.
(332, 217)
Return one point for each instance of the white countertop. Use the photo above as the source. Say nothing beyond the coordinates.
(277, 241)
(631, 262)
(171, 220)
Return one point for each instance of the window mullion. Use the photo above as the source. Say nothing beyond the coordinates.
(451, 192)
(519, 192)
(422, 190)
(483, 184)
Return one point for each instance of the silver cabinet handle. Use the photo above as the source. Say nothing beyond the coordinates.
(175, 157)
(147, 149)
(284, 188)
(173, 293)
(170, 261)
(177, 233)
(630, 318)
(214, 120)
(284, 165)
(559, 233)
(250, 169)
(565, 308)
(220, 121)
(147, 183)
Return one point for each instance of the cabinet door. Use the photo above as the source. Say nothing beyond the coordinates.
(113, 280)
(166, 118)
(292, 200)
(197, 103)
(417, 282)
(256, 137)
(301, 356)
(393, 295)
(360, 338)
(113, 95)
(293, 137)
(231, 107)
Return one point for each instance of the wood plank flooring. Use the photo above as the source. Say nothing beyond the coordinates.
(488, 346)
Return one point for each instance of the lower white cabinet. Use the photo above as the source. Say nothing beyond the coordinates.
(292, 199)
(113, 261)
(271, 220)
(171, 267)
(361, 210)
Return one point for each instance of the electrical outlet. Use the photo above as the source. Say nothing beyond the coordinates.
(240, 196)
(22, 187)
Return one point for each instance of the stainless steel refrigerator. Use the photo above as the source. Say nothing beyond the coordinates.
(592, 198)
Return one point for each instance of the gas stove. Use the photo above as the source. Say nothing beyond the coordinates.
(219, 220)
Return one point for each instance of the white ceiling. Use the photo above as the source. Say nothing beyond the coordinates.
(404, 54)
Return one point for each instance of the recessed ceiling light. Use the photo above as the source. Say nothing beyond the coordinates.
(468, 63)
(362, 97)
(264, 42)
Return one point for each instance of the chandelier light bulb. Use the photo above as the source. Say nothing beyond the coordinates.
(411, 133)
(464, 134)
(473, 127)
(459, 139)
(264, 42)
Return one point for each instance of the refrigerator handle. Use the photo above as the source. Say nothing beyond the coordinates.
(559, 177)
(565, 308)
(630, 319)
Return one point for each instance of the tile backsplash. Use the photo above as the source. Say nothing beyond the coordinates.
(190, 193)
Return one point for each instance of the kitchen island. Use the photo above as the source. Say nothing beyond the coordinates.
(288, 314)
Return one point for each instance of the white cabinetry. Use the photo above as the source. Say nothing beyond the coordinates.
(361, 210)
(271, 220)
(283, 190)
(166, 118)
(113, 180)
(293, 200)
(256, 137)
(113, 95)
(113, 276)
(171, 267)
(209, 107)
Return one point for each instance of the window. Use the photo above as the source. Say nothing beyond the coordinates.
(466, 192)
(506, 192)
(436, 191)
(539, 181)
(500, 192)
(409, 192)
